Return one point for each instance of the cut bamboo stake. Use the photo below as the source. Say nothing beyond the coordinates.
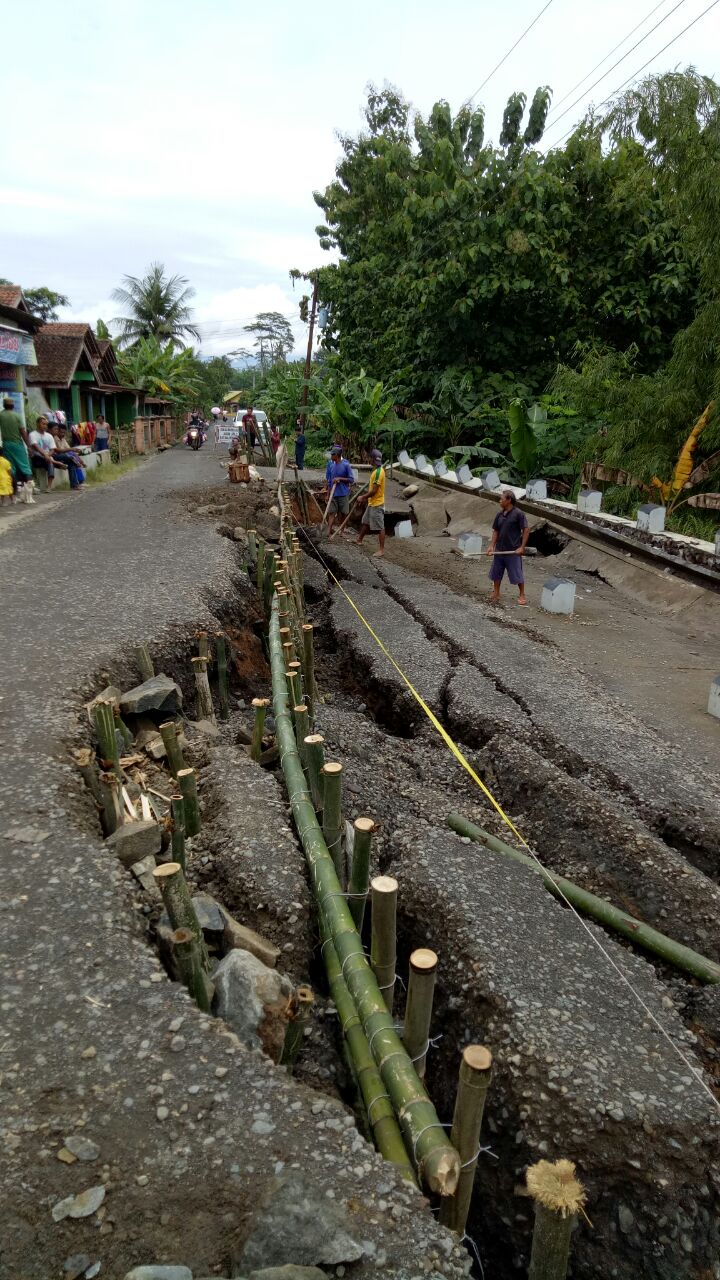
(261, 705)
(473, 1082)
(112, 808)
(144, 662)
(88, 770)
(315, 755)
(176, 896)
(300, 716)
(381, 1117)
(435, 1159)
(177, 838)
(383, 955)
(418, 1011)
(122, 729)
(222, 675)
(305, 999)
(169, 735)
(309, 664)
(203, 644)
(288, 653)
(188, 953)
(294, 690)
(332, 823)
(360, 870)
(104, 717)
(260, 567)
(559, 1197)
(643, 935)
(205, 709)
(187, 782)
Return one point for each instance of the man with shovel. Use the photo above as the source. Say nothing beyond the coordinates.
(510, 533)
(339, 476)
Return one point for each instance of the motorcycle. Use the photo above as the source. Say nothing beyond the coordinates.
(195, 437)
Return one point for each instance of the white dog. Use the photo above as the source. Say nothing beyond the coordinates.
(25, 492)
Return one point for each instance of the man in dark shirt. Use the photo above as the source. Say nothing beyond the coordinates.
(509, 537)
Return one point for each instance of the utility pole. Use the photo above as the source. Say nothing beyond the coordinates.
(308, 359)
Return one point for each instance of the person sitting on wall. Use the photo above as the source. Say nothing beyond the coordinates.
(64, 453)
(41, 451)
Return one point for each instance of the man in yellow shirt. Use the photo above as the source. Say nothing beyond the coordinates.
(373, 520)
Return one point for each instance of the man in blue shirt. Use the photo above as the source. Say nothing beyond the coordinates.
(340, 474)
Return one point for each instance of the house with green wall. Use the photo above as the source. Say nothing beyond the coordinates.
(77, 373)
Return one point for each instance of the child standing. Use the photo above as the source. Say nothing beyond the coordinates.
(6, 480)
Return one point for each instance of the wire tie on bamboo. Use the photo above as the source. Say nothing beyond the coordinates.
(431, 1043)
(373, 1101)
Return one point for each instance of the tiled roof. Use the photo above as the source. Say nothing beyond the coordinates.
(58, 355)
(67, 330)
(10, 295)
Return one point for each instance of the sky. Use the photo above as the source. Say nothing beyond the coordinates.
(194, 134)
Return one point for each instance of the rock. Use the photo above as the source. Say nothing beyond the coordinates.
(143, 873)
(158, 694)
(238, 935)
(211, 917)
(76, 1265)
(288, 1272)
(66, 1156)
(626, 1220)
(96, 1267)
(80, 1206)
(159, 1273)
(149, 740)
(296, 1226)
(409, 491)
(82, 1147)
(109, 694)
(27, 835)
(206, 728)
(135, 841)
(254, 1000)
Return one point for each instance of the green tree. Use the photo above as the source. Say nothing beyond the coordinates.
(161, 371)
(102, 331)
(43, 302)
(215, 377)
(156, 306)
(274, 338)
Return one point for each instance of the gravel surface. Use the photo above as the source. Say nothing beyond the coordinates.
(193, 1131)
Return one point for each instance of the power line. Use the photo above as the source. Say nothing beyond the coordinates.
(507, 55)
(617, 64)
(607, 55)
(644, 65)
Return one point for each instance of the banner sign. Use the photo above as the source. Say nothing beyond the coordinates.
(16, 347)
(227, 432)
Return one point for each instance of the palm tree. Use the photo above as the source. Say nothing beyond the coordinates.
(157, 307)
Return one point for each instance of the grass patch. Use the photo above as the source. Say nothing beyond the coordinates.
(103, 474)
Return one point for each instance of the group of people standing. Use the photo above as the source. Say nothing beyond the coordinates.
(339, 479)
(46, 448)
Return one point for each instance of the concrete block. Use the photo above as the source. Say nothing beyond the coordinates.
(589, 501)
(451, 477)
(440, 467)
(537, 489)
(423, 466)
(714, 699)
(651, 518)
(490, 479)
(470, 544)
(404, 529)
(466, 478)
(558, 596)
(405, 460)
(135, 842)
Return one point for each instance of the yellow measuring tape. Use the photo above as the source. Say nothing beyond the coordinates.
(430, 714)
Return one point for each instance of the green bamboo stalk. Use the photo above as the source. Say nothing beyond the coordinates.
(177, 838)
(222, 675)
(559, 1197)
(315, 759)
(437, 1162)
(203, 644)
(172, 884)
(300, 717)
(188, 954)
(261, 705)
(332, 823)
(205, 708)
(294, 1035)
(286, 635)
(144, 662)
(473, 1082)
(187, 782)
(122, 728)
(418, 1010)
(360, 869)
(643, 935)
(104, 717)
(85, 761)
(169, 735)
(378, 1108)
(111, 803)
(260, 568)
(383, 953)
(309, 665)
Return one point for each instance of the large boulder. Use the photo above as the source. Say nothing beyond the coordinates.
(297, 1226)
(158, 694)
(254, 1000)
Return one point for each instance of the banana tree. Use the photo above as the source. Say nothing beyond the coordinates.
(356, 411)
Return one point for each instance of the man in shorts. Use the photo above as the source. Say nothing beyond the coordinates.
(340, 474)
(509, 536)
(373, 520)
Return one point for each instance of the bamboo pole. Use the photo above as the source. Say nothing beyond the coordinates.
(308, 632)
(187, 782)
(169, 735)
(122, 728)
(473, 1082)
(104, 717)
(418, 1011)
(144, 662)
(177, 837)
(222, 675)
(643, 935)
(383, 956)
(172, 884)
(360, 870)
(559, 1197)
(314, 744)
(205, 709)
(88, 770)
(261, 705)
(381, 1117)
(203, 644)
(436, 1160)
(332, 823)
(304, 1002)
(288, 652)
(286, 634)
(188, 954)
(293, 684)
(300, 716)
(111, 803)
(252, 548)
(260, 568)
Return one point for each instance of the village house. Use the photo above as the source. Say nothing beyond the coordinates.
(17, 350)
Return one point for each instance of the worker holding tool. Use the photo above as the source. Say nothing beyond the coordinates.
(510, 533)
(373, 520)
(339, 477)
